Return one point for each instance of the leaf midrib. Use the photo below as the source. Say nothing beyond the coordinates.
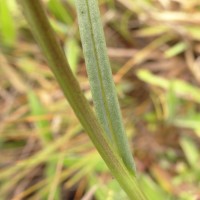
(108, 117)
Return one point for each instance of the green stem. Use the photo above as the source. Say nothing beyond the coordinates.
(42, 31)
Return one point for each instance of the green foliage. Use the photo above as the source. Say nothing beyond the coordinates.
(44, 35)
(176, 49)
(191, 151)
(7, 24)
(45, 137)
(101, 81)
(180, 87)
(72, 51)
(58, 9)
(42, 125)
(46, 149)
(152, 190)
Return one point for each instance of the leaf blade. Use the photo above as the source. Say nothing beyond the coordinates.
(100, 77)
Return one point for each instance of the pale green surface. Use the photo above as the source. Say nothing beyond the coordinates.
(100, 77)
(7, 26)
(180, 88)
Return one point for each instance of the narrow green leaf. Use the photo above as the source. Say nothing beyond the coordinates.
(59, 11)
(100, 77)
(37, 110)
(181, 88)
(72, 50)
(152, 31)
(176, 49)
(153, 191)
(7, 28)
(172, 103)
(45, 136)
(193, 31)
(191, 151)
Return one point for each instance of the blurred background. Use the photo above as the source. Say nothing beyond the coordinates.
(154, 48)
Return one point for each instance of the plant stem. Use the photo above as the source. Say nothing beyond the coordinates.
(44, 35)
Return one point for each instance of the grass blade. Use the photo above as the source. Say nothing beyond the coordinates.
(7, 27)
(100, 76)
